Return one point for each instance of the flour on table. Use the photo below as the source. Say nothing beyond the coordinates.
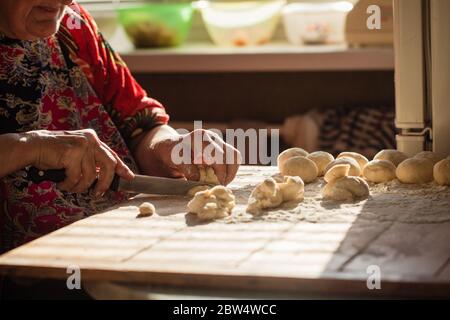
(390, 201)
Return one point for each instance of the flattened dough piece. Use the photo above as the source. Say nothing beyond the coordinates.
(392, 155)
(215, 203)
(290, 153)
(441, 172)
(336, 172)
(321, 159)
(415, 171)
(432, 156)
(346, 189)
(300, 167)
(355, 169)
(362, 160)
(379, 171)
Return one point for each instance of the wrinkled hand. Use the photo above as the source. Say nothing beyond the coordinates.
(155, 156)
(83, 156)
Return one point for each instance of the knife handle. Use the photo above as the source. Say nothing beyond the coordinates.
(59, 175)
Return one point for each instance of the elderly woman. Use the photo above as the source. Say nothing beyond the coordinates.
(67, 101)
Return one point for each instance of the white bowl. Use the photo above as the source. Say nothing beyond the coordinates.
(312, 23)
(243, 23)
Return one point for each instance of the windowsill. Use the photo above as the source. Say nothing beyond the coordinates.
(205, 57)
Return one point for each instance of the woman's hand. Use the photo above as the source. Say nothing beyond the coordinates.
(81, 154)
(153, 153)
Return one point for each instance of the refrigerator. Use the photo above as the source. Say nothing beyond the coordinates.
(422, 75)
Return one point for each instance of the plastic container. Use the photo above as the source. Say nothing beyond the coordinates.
(156, 25)
(245, 23)
(315, 23)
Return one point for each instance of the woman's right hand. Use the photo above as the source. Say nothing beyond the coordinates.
(81, 153)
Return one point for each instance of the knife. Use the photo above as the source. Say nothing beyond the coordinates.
(140, 183)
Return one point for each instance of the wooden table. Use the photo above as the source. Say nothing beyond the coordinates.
(313, 248)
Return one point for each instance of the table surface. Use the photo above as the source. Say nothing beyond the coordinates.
(314, 247)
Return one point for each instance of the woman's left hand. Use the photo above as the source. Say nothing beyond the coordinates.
(159, 153)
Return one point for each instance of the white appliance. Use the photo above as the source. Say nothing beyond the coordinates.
(422, 75)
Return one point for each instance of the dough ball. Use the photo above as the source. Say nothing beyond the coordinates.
(346, 189)
(433, 157)
(214, 203)
(394, 156)
(289, 153)
(336, 172)
(301, 167)
(379, 171)
(266, 195)
(196, 189)
(208, 175)
(441, 172)
(415, 170)
(355, 169)
(146, 209)
(362, 161)
(292, 189)
(321, 159)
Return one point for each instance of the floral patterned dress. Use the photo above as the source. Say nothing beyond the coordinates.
(72, 80)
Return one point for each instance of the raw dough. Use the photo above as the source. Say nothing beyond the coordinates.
(336, 172)
(340, 186)
(208, 175)
(355, 169)
(146, 209)
(301, 167)
(196, 189)
(433, 157)
(441, 172)
(214, 203)
(289, 153)
(292, 189)
(362, 160)
(321, 159)
(266, 195)
(346, 189)
(415, 170)
(394, 156)
(379, 171)
(271, 194)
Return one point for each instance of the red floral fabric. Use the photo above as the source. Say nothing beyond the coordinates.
(72, 80)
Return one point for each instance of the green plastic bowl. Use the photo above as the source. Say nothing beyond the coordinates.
(156, 25)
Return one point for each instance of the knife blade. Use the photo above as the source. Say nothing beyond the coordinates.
(157, 185)
(140, 183)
